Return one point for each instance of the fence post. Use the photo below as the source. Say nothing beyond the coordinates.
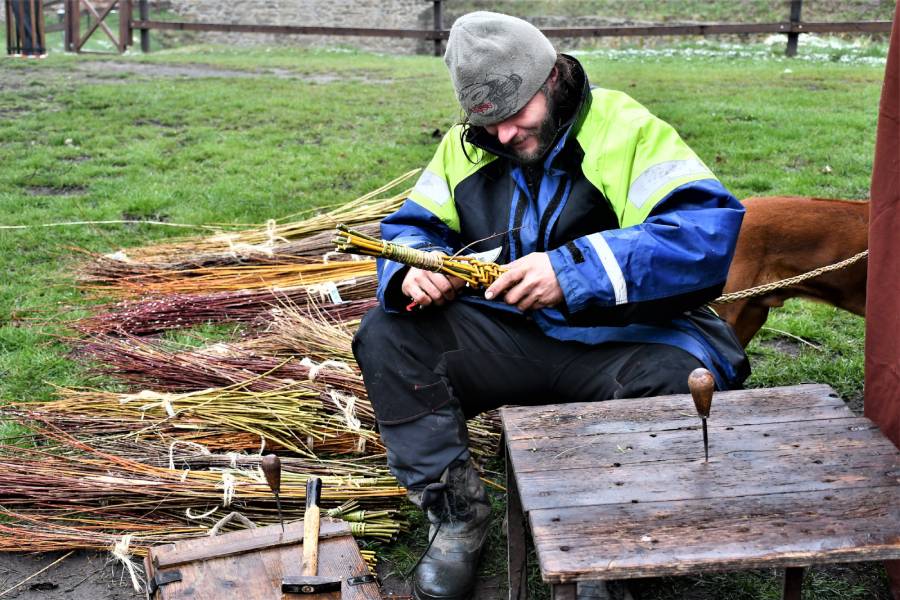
(144, 10)
(125, 37)
(793, 37)
(67, 25)
(9, 31)
(438, 27)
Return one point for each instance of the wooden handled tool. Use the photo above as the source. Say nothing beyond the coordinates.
(702, 383)
(271, 468)
(309, 582)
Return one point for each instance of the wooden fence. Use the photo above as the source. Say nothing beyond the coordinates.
(100, 9)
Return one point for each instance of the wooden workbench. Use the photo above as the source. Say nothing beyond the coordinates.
(620, 489)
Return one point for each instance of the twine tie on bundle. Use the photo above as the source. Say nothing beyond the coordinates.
(203, 450)
(314, 368)
(244, 249)
(162, 399)
(121, 553)
(346, 403)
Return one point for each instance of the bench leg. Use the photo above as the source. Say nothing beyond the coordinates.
(563, 591)
(515, 537)
(793, 583)
(893, 570)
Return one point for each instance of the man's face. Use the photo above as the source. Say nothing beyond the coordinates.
(527, 133)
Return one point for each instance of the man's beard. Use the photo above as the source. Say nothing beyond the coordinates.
(546, 132)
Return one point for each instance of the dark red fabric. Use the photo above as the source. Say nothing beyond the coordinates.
(882, 400)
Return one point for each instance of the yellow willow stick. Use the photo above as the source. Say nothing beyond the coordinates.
(476, 273)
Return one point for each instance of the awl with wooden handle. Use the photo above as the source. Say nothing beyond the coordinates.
(702, 383)
(309, 581)
(271, 468)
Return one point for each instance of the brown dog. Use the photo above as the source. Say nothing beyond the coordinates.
(783, 236)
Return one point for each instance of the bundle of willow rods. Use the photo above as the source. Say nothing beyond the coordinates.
(54, 480)
(176, 311)
(476, 273)
(251, 277)
(366, 209)
(292, 416)
(108, 269)
(148, 364)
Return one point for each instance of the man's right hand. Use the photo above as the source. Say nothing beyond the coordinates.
(426, 287)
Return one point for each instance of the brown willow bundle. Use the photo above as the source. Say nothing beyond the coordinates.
(108, 269)
(175, 311)
(365, 209)
(318, 275)
(475, 273)
(38, 480)
(143, 363)
(292, 416)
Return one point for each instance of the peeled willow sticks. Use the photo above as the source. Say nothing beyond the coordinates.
(476, 273)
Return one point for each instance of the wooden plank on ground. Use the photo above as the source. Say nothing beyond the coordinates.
(251, 564)
(743, 407)
(628, 540)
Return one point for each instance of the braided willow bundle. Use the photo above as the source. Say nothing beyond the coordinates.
(476, 273)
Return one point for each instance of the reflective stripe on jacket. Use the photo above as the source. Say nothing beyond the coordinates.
(637, 228)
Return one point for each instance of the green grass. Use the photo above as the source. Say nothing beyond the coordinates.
(314, 128)
(665, 11)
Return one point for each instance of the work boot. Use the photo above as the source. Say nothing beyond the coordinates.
(459, 512)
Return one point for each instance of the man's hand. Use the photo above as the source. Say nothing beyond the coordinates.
(426, 288)
(529, 283)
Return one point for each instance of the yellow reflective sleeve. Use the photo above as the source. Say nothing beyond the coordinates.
(633, 157)
(434, 190)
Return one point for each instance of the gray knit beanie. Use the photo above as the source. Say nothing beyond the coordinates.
(497, 64)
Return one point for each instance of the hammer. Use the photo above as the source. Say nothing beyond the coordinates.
(309, 582)
(701, 383)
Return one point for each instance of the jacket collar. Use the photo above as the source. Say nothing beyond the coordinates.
(478, 137)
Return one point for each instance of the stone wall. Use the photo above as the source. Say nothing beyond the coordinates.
(382, 14)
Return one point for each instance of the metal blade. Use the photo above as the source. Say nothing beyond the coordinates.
(278, 504)
(705, 441)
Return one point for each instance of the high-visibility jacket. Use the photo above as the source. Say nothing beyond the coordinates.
(637, 228)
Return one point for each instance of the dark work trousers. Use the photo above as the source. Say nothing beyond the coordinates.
(429, 371)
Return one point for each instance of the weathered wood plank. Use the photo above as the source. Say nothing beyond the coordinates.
(256, 574)
(766, 472)
(742, 442)
(742, 407)
(238, 542)
(627, 540)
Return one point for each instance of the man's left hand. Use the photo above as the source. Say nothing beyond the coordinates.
(528, 283)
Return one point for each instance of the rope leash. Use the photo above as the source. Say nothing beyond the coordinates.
(783, 283)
